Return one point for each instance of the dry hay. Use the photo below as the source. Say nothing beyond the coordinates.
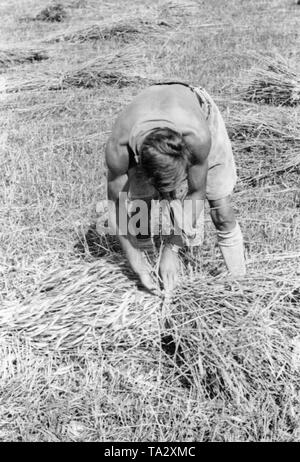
(93, 74)
(13, 56)
(45, 110)
(89, 297)
(122, 30)
(224, 340)
(125, 30)
(276, 82)
(180, 8)
(266, 141)
(37, 82)
(52, 13)
(115, 69)
(97, 78)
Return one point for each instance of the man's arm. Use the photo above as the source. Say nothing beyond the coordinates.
(199, 147)
(117, 182)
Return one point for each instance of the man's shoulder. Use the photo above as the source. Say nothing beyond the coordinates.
(175, 98)
(198, 142)
(116, 156)
(124, 122)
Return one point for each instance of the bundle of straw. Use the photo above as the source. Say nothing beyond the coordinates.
(115, 69)
(52, 13)
(107, 70)
(12, 56)
(276, 82)
(225, 340)
(94, 77)
(223, 337)
(97, 31)
(81, 304)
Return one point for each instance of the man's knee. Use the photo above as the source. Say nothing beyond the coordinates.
(222, 214)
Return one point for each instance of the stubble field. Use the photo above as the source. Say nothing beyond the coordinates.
(86, 355)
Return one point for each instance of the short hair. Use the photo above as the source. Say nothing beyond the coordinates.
(165, 158)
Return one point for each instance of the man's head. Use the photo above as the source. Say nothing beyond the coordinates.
(165, 159)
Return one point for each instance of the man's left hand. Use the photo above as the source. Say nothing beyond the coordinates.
(169, 269)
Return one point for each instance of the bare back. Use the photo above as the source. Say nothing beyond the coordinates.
(176, 103)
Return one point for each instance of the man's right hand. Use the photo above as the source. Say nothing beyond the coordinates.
(141, 267)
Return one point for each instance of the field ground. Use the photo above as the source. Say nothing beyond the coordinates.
(52, 176)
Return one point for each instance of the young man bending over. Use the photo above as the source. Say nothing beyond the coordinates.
(171, 143)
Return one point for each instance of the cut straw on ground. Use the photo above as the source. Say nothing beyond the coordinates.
(124, 30)
(115, 69)
(221, 338)
(13, 56)
(266, 141)
(275, 82)
(52, 13)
